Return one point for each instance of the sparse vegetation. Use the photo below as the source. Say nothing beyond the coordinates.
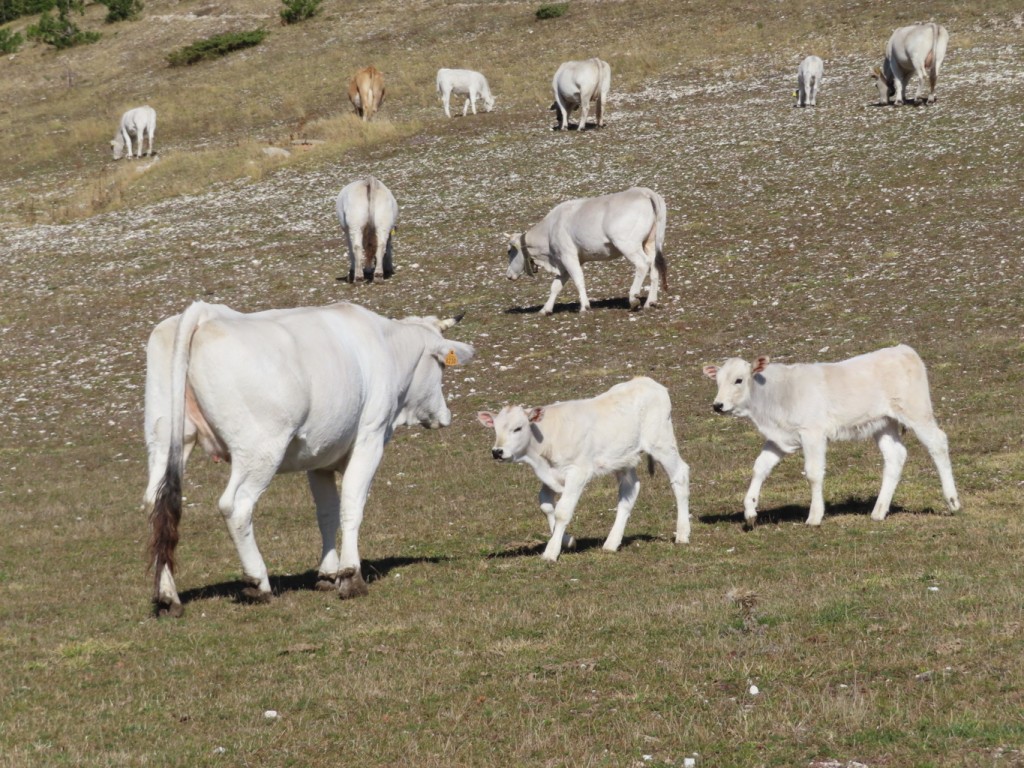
(122, 10)
(295, 11)
(551, 11)
(216, 46)
(14, 9)
(10, 41)
(60, 31)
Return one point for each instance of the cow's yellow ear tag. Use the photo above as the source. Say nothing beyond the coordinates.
(450, 359)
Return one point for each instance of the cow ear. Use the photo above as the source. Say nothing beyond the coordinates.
(486, 418)
(536, 414)
(760, 364)
(711, 371)
(453, 353)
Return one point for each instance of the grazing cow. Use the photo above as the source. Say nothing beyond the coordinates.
(366, 91)
(915, 50)
(808, 79)
(806, 405)
(137, 123)
(315, 389)
(464, 82)
(576, 85)
(368, 210)
(629, 224)
(567, 444)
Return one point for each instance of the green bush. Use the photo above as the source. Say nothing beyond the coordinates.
(122, 10)
(14, 9)
(295, 11)
(60, 31)
(10, 42)
(552, 10)
(215, 47)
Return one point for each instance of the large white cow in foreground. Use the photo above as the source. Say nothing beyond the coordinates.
(367, 212)
(628, 224)
(567, 444)
(137, 123)
(576, 85)
(317, 390)
(464, 82)
(808, 80)
(915, 50)
(803, 406)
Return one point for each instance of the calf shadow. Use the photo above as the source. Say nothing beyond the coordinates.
(573, 306)
(372, 570)
(582, 545)
(797, 513)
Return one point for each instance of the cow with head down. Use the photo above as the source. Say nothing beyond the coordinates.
(805, 405)
(366, 92)
(577, 84)
(917, 50)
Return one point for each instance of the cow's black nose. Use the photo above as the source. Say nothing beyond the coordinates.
(496, 453)
(718, 407)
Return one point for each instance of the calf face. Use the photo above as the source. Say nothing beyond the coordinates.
(512, 430)
(734, 379)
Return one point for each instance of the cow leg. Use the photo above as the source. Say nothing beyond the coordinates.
(466, 106)
(894, 454)
(237, 503)
(898, 85)
(166, 600)
(770, 455)
(575, 481)
(445, 99)
(556, 288)
(574, 269)
(599, 108)
(584, 110)
(629, 489)
(934, 439)
(642, 265)
(547, 506)
(667, 455)
(389, 259)
(355, 486)
(814, 469)
(351, 255)
(324, 487)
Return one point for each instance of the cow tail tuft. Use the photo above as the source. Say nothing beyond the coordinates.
(661, 217)
(165, 517)
(650, 464)
(369, 230)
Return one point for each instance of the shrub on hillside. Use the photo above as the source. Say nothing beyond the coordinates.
(122, 10)
(295, 11)
(551, 10)
(215, 47)
(13, 9)
(60, 31)
(10, 42)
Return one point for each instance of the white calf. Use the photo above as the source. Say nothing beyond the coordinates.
(808, 78)
(136, 123)
(464, 82)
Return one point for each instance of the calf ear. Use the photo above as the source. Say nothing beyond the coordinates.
(711, 371)
(486, 418)
(536, 414)
(760, 364)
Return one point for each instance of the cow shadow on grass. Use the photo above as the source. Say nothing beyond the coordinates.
(573, 306)
(373, 570)
(797, 513)
(582, 545)
(575, 126)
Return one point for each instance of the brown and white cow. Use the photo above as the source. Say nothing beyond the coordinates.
(366, 91)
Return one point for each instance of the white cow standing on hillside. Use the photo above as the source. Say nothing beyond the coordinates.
(915, 50)
(313, 389)
(368, 212)
(566, 444)
(464, 82)
(137, 123)
(629, 224)
(576, 85)
(808, 79)
(803, 406)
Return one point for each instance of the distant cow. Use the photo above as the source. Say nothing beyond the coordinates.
(318, 390)
(915, 50)
(806, 405)
(629, 224)
(137, 123)
(464, 82)
(808, 79)
(366, 91)
(576, 85)
(567, 444)
(368, 211)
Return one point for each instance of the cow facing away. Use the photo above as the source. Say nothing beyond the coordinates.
(803, 406)
(808, 79)
(628, 224)
(566, 444)
(317, 390)
(463, 82)
(366, 91)
(368, 212)
(917, 50)
(138, 123)
(576, 85)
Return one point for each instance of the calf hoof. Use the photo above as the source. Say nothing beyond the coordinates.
(634, 303)
(164, 609)
(351, 584)
(682, 539)
(255, 596)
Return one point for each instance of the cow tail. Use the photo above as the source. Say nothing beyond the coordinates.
(930, 62)
(659, 238)
(370, 229)
(650, 464)
(166, 512)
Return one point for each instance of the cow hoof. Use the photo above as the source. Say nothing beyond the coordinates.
(325, 584)
(351, 584)
(351, 276)
(568, 543)
(388, 274)
(166, 610)
(368, 275)
(749, 523)
(255, 596)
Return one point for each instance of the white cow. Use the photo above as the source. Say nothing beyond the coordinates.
(464, 82)
(915, 50)
(804, 406)
(576, 85)
(368, 211)
(137, 123)
(316, 389)
(567, 444)
(629, 224)
(808, 79)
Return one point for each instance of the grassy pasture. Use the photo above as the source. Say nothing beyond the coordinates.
(803, 234)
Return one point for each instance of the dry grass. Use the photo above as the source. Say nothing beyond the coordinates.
(889, 644)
